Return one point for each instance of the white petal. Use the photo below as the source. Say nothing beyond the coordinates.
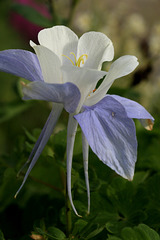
(122, 66)
(119, 68)
(59, 39)
(85, 79)
(97, 46)
(50, 64)
(32, 44)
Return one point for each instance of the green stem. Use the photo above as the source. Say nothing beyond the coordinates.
(43, 183)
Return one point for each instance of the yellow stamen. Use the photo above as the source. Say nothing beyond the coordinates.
(79, 61)
(74, 57)
(68, 58)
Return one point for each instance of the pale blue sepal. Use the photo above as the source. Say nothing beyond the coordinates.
(21, 63)
(68, 93)
(85, 148)
(71, 133)
(111, 135)
(135, 110)
(42, 140)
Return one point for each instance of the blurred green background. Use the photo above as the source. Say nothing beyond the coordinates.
(117, 206)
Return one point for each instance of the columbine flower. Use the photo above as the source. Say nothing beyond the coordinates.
(65, 71)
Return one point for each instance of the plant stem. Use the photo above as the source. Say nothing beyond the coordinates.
(43, 183)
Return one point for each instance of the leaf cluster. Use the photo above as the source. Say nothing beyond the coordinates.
(119, 209)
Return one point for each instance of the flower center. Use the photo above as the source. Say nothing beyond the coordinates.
(79, 61)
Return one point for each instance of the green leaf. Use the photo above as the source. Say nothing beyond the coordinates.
(142, 232)
(140, 177)
(115, 227)
(95, 232)
(30, 136)
(153, 217)
(1, 236)
(56, 233)
(9, 111)
(113, 238)
(32, 15)
(129, 234)
(78, 226)
(149, 232)
(103, 217)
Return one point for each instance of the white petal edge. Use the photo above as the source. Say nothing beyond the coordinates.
(119, 68)
(97, 46)
(59, 39)
(50, 64)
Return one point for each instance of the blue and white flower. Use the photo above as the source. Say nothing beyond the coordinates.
(65, 70)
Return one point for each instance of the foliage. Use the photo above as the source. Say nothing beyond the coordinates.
(120, 210)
